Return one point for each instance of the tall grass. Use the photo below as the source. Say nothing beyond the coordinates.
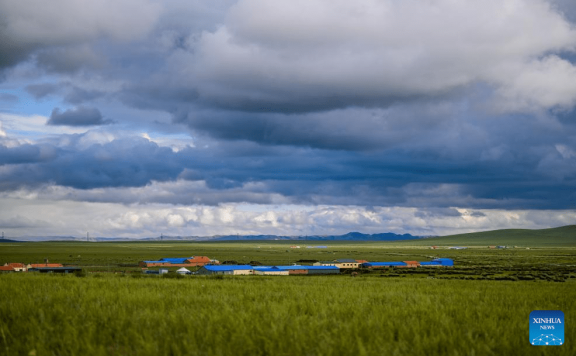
(335, 315)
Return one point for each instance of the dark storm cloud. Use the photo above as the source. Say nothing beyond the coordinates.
(68, 59)
(8, 98)
(26, 154)
(567, 8)
(241, 171)
(80, 116)
(78, 95)
(72, 94)
(307, 104)
(40, 91)
(120, 163)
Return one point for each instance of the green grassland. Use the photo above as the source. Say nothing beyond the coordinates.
(127, 254)
(479, 307)
(108, 314)
(564, 236)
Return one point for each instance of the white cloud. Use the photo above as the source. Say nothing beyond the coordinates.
(107, 219)
(565, 151)
(274, 52)
(544, 83)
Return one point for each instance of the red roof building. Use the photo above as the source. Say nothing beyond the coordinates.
(198, 261)
(194, 261)
(18, 267)
(36, 265)
(412, 264)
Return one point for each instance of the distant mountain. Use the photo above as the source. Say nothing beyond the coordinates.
(560, 236)
(351, 236)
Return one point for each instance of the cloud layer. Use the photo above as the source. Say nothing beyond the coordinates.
(360, 105)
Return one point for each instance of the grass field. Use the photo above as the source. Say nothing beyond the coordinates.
(107, 314)
(564, 236)
(479, 307)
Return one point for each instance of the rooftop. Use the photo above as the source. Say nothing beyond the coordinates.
(217, 268)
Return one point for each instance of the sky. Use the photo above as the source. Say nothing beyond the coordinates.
(137, 118)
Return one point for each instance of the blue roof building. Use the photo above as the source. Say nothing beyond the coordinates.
(446, 262)
(179, 260)
(297, 269)
(226, 269)
(383, 264)
(439, 262)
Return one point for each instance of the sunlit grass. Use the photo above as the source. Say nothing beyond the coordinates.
(337, 315)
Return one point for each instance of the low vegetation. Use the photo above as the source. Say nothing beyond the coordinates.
(107, 314)
(479, 307)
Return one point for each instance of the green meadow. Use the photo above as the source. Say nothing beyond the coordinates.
(479, 307)
(107, 314)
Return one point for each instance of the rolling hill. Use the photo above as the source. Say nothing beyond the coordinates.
(555, 237)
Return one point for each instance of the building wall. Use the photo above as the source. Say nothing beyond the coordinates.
(18, 267)
(297, 271)
(241, 271)
(323, 271)
(338, 264)
(168, 264)
(204, 271)
(347, 265)
(411, 264)
(271, 273)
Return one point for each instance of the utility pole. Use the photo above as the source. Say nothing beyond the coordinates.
(87, 236)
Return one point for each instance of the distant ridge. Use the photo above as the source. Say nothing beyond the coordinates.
(553, 237)
(351, 236)
(558, 236)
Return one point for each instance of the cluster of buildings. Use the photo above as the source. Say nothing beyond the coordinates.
(267, 270)
(326, 267)
(350, 263)
(211, 266)
(194, 261)
(38, 267)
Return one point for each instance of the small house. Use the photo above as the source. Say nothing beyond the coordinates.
(6, 269)
(18, 267)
